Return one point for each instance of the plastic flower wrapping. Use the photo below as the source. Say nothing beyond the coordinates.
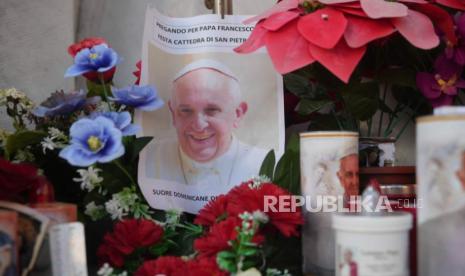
(343, 60)
(81, 147)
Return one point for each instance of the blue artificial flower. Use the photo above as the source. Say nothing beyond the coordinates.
(61, 103)
(141, 97)
(122, 121)
(93, 140)
(99, 58)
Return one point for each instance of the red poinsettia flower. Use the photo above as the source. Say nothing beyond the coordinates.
(455, 4)
(166, 265)
(17, 179)
(204, 267)
(138, 72)
(218, 237)
(334, 32)
(88, 43)
(127, 236)
(245, 198)
(213, 211)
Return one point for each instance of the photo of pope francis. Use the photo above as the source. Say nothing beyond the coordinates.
(206, 106)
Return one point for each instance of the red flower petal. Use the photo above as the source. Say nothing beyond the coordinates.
(277, 20)
(127, 236)
(288, 49)
(282, 6)
(254, 41)
(15, 179)
(341, 60)
(418, 29)
(323, 27)
(441, 18)
(360, 30)
(204, 267)
(85, 43)
(165, 265)
(330, 2)
(218, 237)
(211, 212)
(456, 4)
(381, 9)
(357, 12)
(243, 198)
(414, 1)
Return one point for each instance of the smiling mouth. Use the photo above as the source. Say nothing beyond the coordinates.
(201, 137)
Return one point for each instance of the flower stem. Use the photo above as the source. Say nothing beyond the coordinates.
(105, 94)
(382, 113)
(370, 125)
(118, 164)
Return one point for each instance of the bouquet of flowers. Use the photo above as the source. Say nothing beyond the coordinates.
(235, 233)
(341, 58)
(90, 129)
(84, 142)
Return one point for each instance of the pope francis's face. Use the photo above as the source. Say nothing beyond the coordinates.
(348, 174)
(205, 108)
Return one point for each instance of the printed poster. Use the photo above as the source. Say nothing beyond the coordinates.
(223, 111)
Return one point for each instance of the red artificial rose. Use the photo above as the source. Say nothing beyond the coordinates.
(213, 211)
(138, 72)
(204, 267)
(218, 237)
(243, 198)
(88, 43)
(107, 254)
(127, 236)
(85, 43)
(16, 179)
(168, 266)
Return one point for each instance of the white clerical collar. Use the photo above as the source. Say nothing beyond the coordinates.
(217, 170)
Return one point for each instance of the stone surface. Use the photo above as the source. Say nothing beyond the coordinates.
(34, 36)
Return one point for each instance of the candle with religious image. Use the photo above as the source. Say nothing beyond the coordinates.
(373, 241)
(441, 191)
(329, 173)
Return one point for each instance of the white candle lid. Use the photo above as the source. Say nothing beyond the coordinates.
(450, 110)
(388, 222)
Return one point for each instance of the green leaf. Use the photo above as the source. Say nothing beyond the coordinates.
(137, 146)
(227, 254)
(248, 252)
(22, 139)
(293, 144)
(95, 89)
(306, 106)
(226, 261)
(268, 164)
(282, 170)
(362, 100)
(159, 249)
(296, 84)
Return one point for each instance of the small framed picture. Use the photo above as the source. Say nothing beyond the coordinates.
(8, 243)
(32, 227)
